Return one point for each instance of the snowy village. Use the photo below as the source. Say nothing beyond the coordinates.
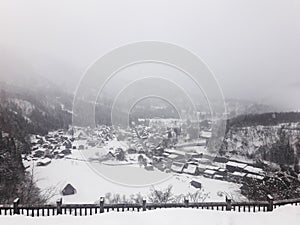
(163, 152)
(159, 112)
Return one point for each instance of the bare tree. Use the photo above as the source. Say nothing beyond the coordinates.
(30, 194)
(161, 196)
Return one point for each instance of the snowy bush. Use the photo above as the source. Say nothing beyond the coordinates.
(161, 196)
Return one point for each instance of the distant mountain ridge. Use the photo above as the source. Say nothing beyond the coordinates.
(263, 119)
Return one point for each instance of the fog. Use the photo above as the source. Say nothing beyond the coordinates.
(253, 47)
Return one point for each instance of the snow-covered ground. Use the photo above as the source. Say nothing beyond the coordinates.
(284, 215)
(90, 185)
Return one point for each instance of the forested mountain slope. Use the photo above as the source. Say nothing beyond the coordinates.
(24, 112)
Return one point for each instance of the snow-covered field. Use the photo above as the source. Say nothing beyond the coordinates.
(90, 185)
(284, 215)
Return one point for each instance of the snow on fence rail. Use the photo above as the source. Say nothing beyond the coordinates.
(91, 209)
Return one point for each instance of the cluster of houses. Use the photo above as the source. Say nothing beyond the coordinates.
(154, 145)
(151, 146)
(58, 144)
(194, 163)
(53, 145)
(94, 137)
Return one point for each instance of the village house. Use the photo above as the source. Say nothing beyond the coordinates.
(43, 162)
(66, 151)
(196, 184)
(253, 170)
(205, 135)
(92, 143)
(68, 190)
(38, 153)
(131, 151)
(67, 144)
(175, 152)
(202, 161)
(209, 173)
(221, 159)
(215, 168)
(177, 167)
(218, 177)
(60, 156)
(191, 169)
(166, 154)
(110, 156)
(201, 168)
(149, 167)
(235, 166)
(173, 157)
(222, 172)
(160, 165)
(191, 155)
(35, 148)
(237, 177)
(252, 177)
(81, 147)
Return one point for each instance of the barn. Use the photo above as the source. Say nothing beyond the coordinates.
(191, 169)
(177, 167)
(68, 190)
(196, 184)
(43, 162)
(235, 166)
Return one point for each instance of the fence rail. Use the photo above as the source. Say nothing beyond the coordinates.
(91, 209)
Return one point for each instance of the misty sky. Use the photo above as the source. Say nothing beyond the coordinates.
(252, 46)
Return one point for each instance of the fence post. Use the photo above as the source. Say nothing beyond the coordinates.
(144, 204)
(16, 207)
(228, 204)
(186, 202)
(271, 202)
(58, 206)
(102, 205)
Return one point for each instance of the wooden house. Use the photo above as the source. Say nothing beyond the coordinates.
(196, 184)
(191, 169)
(177, 167)
(235, 166)
(68, 190)
(209, 173)
(43, 162)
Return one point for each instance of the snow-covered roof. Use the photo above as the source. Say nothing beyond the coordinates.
(174, 151)
(257, 177)
(202, 160)
(236, 164)
(172, 156)
(206, 134)
(212, 168)
(210, 172)
(44, 161)
(177, 167)
(252, 169)
(238, 174)
(190, 169)
(201, 166)
(166, 154)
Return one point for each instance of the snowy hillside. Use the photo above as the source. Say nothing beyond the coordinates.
(246, 141)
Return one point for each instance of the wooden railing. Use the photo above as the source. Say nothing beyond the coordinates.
(91, 209)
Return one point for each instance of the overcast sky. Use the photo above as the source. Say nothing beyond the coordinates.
(252, 46)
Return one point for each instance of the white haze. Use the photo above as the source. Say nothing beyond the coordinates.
(252, 46)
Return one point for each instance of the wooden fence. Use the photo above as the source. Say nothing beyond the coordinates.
(91, 209)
